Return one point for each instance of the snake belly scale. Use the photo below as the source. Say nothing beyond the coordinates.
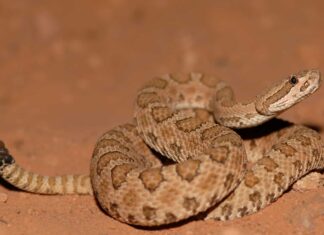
(207, 167)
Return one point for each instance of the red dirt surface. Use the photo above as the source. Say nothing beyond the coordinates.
(70, 71)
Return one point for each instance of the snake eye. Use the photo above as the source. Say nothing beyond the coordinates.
(293, 80)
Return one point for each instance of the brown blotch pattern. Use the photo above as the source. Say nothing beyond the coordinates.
(119, 174)
(250, 179)
(268, 163)
(131, 199)
(181, 97)
(285, 149)
(279, 179)
(161, 113)
(166, 133)
(298, 165)
(180, 78)
(212, 132)
(190, 204)
(227, 210)
(229, 180)
(188, 170)
(270, 197)
(229, 119)
(131, 219)
(255, 198)
(168, 194)
(226, 96)
(211, 181)
(105, 159)
(203, 115)
(315, 153)
(149, 212)
(231, 137)
(118, 134)
(243, 211)
(309, 165)
(156, 82)
(209, 81)
(113, 210)
(170, 218)
(144, 99)
(151, 178)
(219, 154)
(305, 141)
(189, 124)
(110, 143)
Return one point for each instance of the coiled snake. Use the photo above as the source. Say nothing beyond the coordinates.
(207, 169)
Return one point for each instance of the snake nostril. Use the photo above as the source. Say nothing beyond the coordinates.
(315, 75)
(304, 86)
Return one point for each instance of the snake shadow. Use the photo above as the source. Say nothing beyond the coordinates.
(269, 127)
(8, 186)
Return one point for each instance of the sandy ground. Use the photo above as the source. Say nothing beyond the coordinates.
(69, 70)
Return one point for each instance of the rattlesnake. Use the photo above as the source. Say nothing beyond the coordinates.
(208, 174)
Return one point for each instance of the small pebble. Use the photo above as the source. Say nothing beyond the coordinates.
(33, 212)
(3, 197)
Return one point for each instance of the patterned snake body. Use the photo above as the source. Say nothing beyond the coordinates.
(206, 171)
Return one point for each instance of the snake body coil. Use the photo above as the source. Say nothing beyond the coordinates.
(175, 116)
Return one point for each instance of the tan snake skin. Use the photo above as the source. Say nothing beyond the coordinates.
(207, 170)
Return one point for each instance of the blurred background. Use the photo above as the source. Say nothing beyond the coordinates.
(69, 70)
(90, 57)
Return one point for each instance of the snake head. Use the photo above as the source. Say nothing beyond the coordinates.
(288, 92)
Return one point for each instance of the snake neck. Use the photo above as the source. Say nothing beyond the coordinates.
(239, 115)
